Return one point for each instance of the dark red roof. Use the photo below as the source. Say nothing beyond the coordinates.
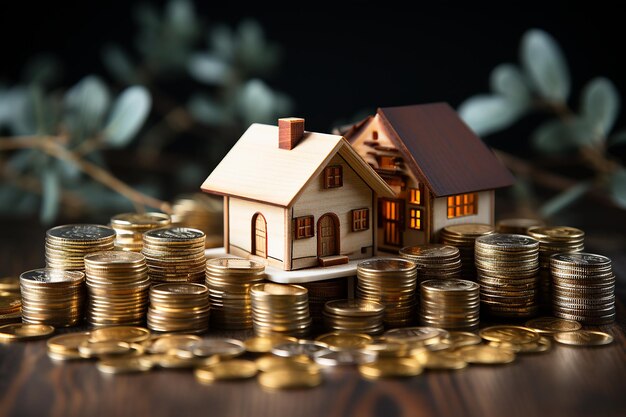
(441, 149)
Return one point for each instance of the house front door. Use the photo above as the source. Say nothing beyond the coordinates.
(327, 235)
(259, 235)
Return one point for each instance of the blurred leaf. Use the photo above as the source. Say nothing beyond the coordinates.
(51, 195)
(205, 110)
(68, 171)
(507, 79)
(486, 114)
(129, 113)
(16, 111)
(119, 64)
(258, 103)
(209, 69)
(180, 17)
(617, 139)
(222, 42)
(42, 69)
(86, 104)
(545, 65)
(556, 136)
(564, 199)
(254, 53)
(21, 160)
(600, 104)
(147, 17)
(618, 187)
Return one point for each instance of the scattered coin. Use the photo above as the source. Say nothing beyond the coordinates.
(551, 325)
(269, 363)
(289, 379)
(299, 348)
(222, 347)
(584, 338)
(391, 368)
(264, 344)
(511, 334)
(486, 355)
(439, 360)
(171, 342)
(460, 339)
(345, 341)
(123, 365)
(230, 369)
(416, 335)
(103, 348)
(128, 334)
(23, 331)
(344, 357)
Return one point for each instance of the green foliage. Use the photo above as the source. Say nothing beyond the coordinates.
(542, 83)
(129, 113)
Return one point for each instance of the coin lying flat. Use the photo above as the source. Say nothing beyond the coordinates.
(123, 365)
(583, 338)
(129, 334)
(223, 347)
(391, 367)
(21, 331)
(301, 347)
(551, 325)
(439, 360)
(342, 341)
(511, 334)
(264, 344)
(415, 334)
(171, 342)
(67, 342)
(486, 355)
(344, 357)
(269, 363)
(460, 339)
(289, 379)
(231, 369)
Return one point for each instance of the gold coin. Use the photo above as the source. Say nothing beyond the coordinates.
(419, 334)
(289, 379)
(511, 334)
(583, 338)
(67, 342)
(388, 349)
(391, 367)
(438, 360)
(64, 356)
(264, 344)
(169, 342)
(10, 284)
(551, 325)
(129, 334)
(103, 348)
(486, 355)
(460, 339)
(270, 363)
(123, 365)
(230, 369)
(22, 331)
(336, 340)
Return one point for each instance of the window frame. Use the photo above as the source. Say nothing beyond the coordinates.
(362, 223)
(416, 214)
(332, 179)
(419, 192)
(461, 205)
(301, 225)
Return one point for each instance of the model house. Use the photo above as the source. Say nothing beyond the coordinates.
(297, 199)
(440, 171)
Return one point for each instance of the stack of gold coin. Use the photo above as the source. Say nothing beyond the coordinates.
(508, 267)
(229, 281)
(583, 288)
(66, 246)
(179, 307)
(10, 300)
(354, 316)
(54, 297)
(463, 237)
(557, 239)
(117, 283)
(10, 285)
(320, 292)
(175, 254)
(434, 261)
(130, 227)
(203, 212)
(451, 304)
(517, 226)
(391, 282)
(279, 308)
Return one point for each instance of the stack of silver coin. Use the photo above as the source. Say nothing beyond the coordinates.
(434, 261)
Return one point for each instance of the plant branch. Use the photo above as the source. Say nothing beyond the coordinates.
(49, 145)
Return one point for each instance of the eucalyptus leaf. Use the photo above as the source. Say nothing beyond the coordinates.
(17, 111)
(508, 80)
(558, 136)
(51, 195)
(206, 110)
(617, 187)
(43, 69)
(255, 54)
(119, 64)
(209, 68)
(486, 114)
(545, 65)
(222, 42)
(257, 102)
(600, 103)
(564, 199)
(130, 111)
(180, 17)
(86, 105)
(618, 138)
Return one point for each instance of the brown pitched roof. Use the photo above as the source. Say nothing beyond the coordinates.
(440, 148)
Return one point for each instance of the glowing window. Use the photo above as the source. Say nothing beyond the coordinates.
(462, 205)
(415, 219)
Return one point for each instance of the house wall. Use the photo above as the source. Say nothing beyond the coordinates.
(440, 212)
(315, 200)
(240, 213)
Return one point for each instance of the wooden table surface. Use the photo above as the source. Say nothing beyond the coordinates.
(565, 382)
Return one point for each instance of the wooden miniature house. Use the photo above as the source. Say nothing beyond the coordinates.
(440, 171)
(296, 199)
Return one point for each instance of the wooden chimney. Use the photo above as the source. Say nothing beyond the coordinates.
(290, 131)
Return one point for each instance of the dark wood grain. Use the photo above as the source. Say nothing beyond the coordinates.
(564, 382)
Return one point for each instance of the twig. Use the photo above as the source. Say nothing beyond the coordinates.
(49, 145)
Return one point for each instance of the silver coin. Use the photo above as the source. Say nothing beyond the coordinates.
(344, 357)
(221, 347)
(301, 347)
(81, 232)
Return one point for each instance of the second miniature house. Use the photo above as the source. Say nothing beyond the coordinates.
(440, 171)
(297, 199)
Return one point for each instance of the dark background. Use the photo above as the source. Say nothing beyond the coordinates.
(343, 57)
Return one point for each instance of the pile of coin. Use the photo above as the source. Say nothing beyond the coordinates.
(279, 308)
(66, 246)
(203, 212)
(508, 267)
(354, 316)
(391, 282)
(434, 261)
(451, 304)
(179, 307)
(517, 226)
(556, 239)
(10, 300)
(463, 237)
(583, 288)
(320, 292)
(130, 227)
(174, 254)
(117, 283)
(52, 296)
(229, 281)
